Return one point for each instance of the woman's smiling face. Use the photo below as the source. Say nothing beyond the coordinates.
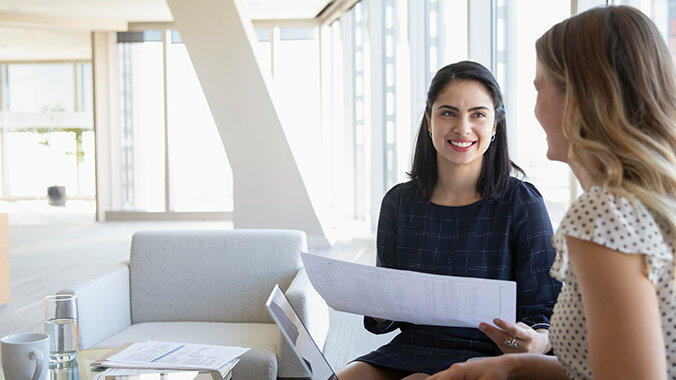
(462, 122)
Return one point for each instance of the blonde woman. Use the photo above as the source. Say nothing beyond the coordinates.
(607, 102)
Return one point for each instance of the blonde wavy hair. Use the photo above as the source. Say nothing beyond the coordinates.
(617, 77)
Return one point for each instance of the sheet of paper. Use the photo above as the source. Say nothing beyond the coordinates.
(406, 296)
(154, 354)
(151, 374)
(146, 374)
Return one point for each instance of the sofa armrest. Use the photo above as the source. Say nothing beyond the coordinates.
(310, 307)
(103, 305)
(313, 312)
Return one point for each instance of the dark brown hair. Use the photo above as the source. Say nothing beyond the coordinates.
(497, 167)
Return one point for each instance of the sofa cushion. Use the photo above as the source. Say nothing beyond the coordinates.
(210, 276)
(260, 362)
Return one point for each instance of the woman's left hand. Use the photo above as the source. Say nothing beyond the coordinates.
(526, 339)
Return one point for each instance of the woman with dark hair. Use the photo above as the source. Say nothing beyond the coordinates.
(462, 214)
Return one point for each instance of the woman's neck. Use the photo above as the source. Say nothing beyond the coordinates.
(456, 184)
(582, 175)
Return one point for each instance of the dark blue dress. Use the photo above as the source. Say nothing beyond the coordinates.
(507, 238)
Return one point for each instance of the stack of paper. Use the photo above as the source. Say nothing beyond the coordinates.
(157, 374)
(174, 356)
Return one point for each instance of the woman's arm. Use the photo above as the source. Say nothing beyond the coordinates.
(386, 249)
(532, 254)
(621, 310)
(509, 366)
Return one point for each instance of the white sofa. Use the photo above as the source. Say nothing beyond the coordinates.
(205, 287)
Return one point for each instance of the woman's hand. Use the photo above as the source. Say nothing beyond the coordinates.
(492, 368)
(526, 339)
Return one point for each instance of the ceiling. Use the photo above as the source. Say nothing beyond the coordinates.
(33, 30)
(153, 10)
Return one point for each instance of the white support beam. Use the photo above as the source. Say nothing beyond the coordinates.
(268, 189)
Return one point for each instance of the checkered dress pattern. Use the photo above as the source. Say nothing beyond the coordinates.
(506, 238)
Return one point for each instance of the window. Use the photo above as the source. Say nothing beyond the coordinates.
(201, 178)
(41, 87)
(336, 118)
(522, 23)
(296, 85)
(46, 129)
(663, 14)
(141, 155)
(445, 34)
(390, 28)
(361, 75)
(196, 175)
(264, 49)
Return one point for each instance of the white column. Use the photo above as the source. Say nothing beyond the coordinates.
(268, 189)
(106, 122)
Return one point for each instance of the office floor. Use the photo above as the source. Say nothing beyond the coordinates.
(53, 253)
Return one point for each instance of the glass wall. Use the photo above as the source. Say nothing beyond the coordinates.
(520, 24)
(141, 121)
(296, 88)
(381, 56)
(662, 12)
(201, 178)
(336, 117)
(350, 95)
(46, 129)
(199, 175)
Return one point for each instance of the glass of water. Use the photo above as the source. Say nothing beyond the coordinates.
(61, 325)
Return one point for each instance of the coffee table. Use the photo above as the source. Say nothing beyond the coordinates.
(76, 370)
(81, 368)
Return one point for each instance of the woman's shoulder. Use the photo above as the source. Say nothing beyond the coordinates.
(618, 220)
(609, 207)
(519, 191)
(404, 190)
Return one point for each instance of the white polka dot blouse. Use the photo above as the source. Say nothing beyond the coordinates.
(624, 225)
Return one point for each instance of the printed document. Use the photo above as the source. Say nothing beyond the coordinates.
(158, 374)
(168, 355)
(406, 296)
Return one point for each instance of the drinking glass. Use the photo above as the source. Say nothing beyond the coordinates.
(61, 326)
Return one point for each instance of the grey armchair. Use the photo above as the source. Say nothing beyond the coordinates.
(205, 287)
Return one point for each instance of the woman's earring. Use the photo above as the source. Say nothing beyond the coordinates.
(429, 133)
(492, 138)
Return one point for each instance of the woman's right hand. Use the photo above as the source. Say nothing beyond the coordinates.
(491, 368)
